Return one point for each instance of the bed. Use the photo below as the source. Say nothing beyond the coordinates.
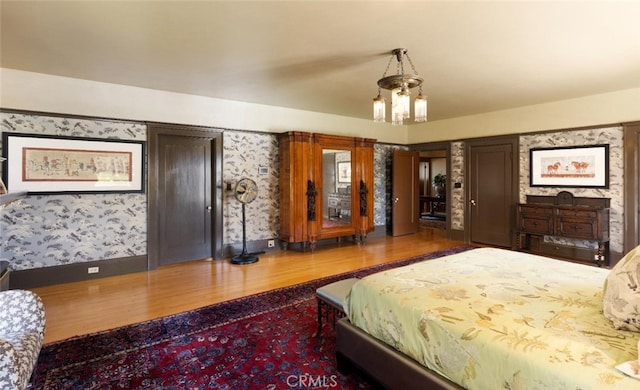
(485, 318)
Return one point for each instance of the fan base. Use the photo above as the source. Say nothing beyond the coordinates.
(247, 258)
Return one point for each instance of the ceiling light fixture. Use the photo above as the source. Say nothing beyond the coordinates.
(400, 85)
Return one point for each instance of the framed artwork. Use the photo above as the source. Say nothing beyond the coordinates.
(52, 164)
(572, 166)
(344, 172)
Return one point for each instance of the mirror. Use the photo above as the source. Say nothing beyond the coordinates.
(336, 188)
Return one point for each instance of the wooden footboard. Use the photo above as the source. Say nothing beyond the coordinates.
(390, 368)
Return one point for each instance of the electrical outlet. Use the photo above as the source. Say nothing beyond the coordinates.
(93, 270)
(271, 243)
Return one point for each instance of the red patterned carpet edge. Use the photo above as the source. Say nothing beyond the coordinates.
(263, 341)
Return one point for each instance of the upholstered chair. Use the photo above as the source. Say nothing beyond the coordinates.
(22, 323)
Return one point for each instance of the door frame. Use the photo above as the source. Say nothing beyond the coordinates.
(514, 140)
(154, 131)
(444, 145)
(631, 185)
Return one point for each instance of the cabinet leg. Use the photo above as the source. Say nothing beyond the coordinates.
(360, 237)
(603, 253)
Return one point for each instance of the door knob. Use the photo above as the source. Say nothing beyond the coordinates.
(209, 209)
(473, 202)
(396, 200)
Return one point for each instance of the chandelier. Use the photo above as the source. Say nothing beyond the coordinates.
(400, 85)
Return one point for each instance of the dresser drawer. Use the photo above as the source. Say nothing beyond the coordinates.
(587, 224)
(536, 211)
(535, 219)
(578, 213)
(540, 224)
(584, 228)
(577, 229)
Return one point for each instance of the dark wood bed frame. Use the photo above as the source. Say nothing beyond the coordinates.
(389, 367)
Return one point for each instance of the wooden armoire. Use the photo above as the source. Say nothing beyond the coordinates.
(326, 188)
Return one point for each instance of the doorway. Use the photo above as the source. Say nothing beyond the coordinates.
(433, 180)
(185, 194)
(434, 211)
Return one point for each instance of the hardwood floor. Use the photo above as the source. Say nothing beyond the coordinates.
(90, 306)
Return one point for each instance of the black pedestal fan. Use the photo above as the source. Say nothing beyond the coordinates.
(246, 192)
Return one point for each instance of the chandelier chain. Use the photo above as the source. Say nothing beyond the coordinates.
(411, 63)
(400, 67)
(388, 66)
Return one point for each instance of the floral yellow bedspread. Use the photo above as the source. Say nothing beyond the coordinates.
(497, 319)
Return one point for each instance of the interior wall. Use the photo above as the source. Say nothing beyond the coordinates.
(50, 230)
(22, 90)
(45, 230)
(603, 109)
(612, 136)
(457, 199)
(47, 93)
(256, 156)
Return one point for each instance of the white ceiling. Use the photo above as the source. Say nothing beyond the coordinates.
(327, 56)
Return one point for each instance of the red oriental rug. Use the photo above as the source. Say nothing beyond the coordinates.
(263, 341)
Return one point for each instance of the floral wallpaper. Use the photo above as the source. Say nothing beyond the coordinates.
(249, 155)
(46, 230)
(456, 175)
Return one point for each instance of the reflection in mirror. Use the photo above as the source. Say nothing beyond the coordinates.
(336, 188)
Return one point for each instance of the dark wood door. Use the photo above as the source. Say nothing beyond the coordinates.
(492, 192)
(185, 193)
(184, 201)
(405, 195)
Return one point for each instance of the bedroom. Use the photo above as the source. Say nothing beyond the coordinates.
(25, 87)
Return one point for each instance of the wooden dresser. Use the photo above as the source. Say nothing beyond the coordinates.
(564, 216)
(326, 187)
